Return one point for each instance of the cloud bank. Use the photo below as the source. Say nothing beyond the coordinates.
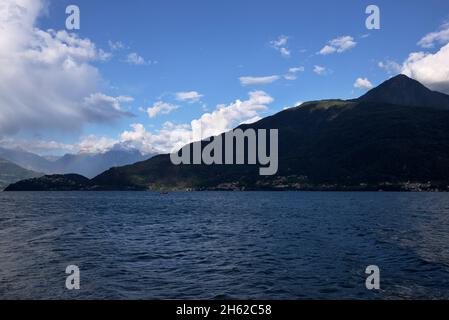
(431, 69)
(47, 79)
(173, 136)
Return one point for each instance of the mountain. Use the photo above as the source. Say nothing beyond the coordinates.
(395, 137)
(10, 173)
(87, 164)
(403, 91)
(90, 165)
(26, 160)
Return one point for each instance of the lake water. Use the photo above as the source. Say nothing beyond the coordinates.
(218, 245)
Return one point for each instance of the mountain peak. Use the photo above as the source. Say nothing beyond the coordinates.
(402, 90)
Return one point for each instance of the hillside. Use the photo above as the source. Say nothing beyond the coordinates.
(396, 137)
(10, 173)
(86, 164)
(90, 165)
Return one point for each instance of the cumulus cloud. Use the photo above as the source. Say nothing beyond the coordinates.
(438, 37)
(160, 141)
(189, 96)
(161, 107)
(135, 59)
(93, 144)
(292, 73)
(225, 117)
(281, 45)
(116, 45)
(249, 81)
(172, 136)
(363, 83)
(47, 80)
(319, 70)
(338, 45)
(431, 69)
(390, 66)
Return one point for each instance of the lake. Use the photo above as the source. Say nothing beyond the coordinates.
(224, 245)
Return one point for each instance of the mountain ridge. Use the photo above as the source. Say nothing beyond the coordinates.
(11, 173)
(87, 164)
(402, 90)
(367, 143)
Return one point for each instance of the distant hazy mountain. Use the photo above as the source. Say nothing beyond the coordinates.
(395, 137)
(10, 173)
(88, 165)
(27, 160)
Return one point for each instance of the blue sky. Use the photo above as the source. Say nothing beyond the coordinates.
(206, 47)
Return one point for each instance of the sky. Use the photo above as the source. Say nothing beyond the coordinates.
(147, 74)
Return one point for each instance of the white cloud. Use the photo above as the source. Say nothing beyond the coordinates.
(296, 104)
(285, 52)
(431, 69)
(225, 117)
(189, 96)
(135, 59)
(248, 81)
(170, 136)
(103, 55)
(281, 45)
(252, 120)
(46, 77)
(39, 145)
(173, 136)
(161, 107)
(296, 69)
(363, 83)
(319, 70)
(327, 50)
(438, 37)
(292, 73)
(338, 45)
(290, 76)
(117, 45)
(161, 141)
(390, 66)
(93, 144)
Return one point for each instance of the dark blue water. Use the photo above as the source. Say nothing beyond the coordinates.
(255, 245)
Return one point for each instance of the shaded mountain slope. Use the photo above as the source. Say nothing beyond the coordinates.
(396, 137)
(11, 173)
(26, 160)
(90, 165)
(401, 90)
(86, 164)
(67, 182)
